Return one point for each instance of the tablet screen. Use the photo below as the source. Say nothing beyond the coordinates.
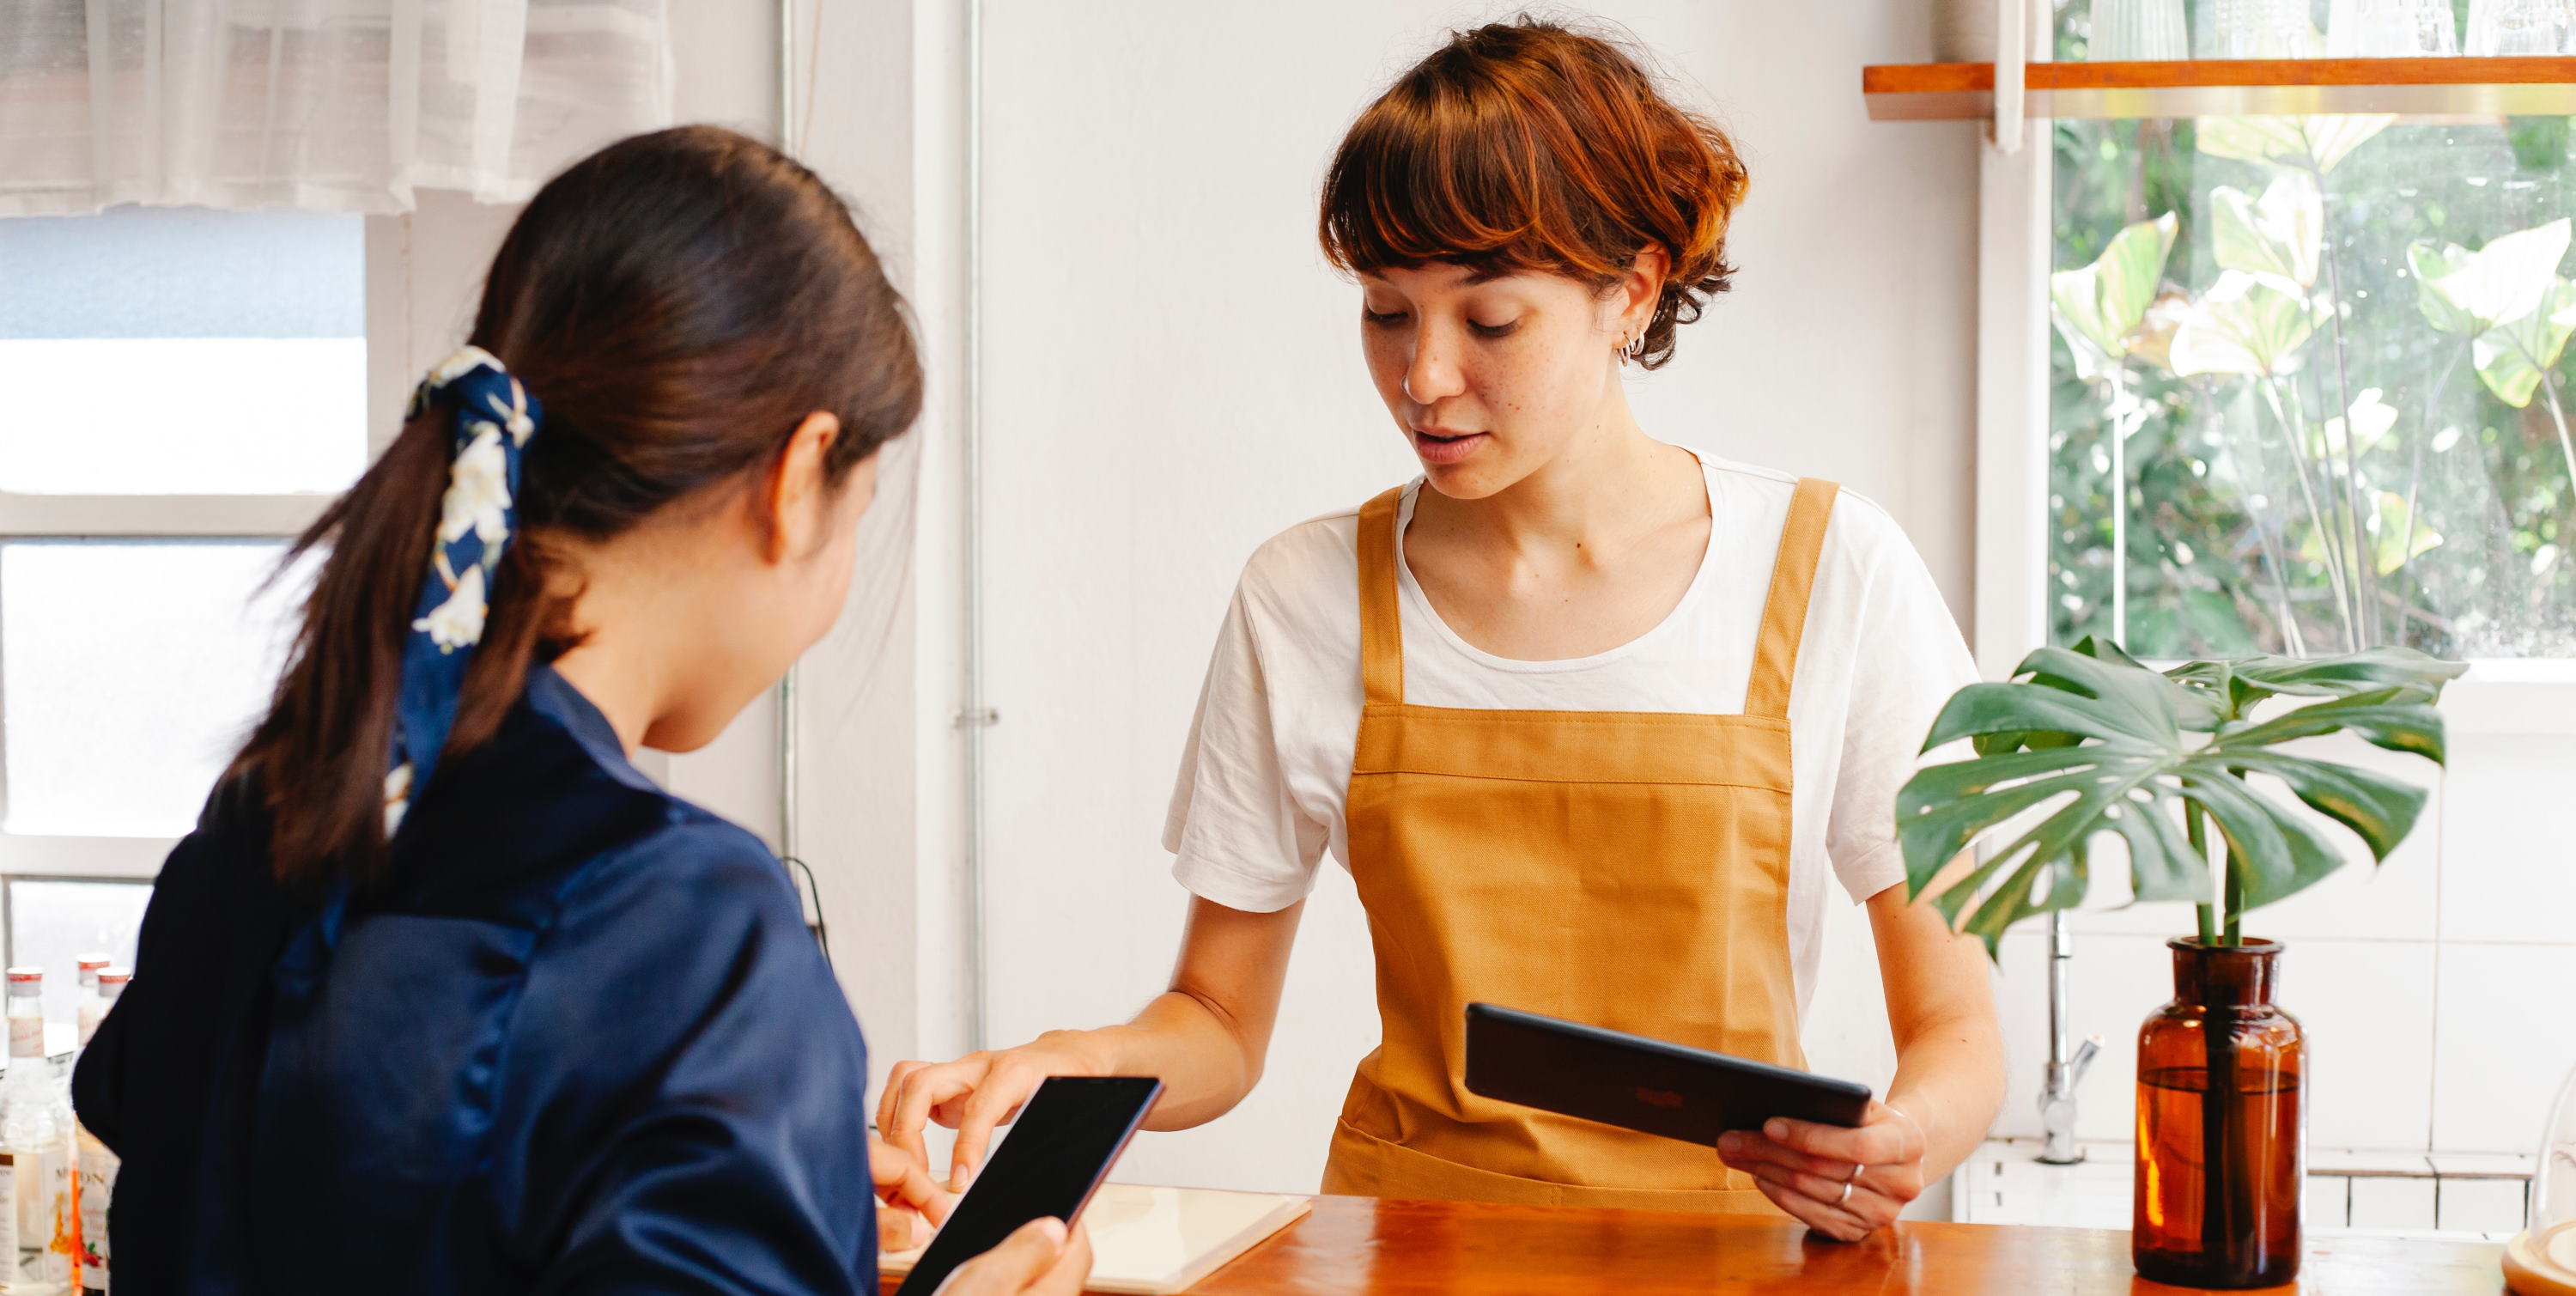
(1059, 1149)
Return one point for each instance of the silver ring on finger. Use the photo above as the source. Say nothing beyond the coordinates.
(1846, 1197)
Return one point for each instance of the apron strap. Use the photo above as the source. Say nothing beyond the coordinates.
(1784, 616)
(1381, 630)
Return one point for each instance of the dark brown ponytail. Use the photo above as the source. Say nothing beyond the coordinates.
(678, 302)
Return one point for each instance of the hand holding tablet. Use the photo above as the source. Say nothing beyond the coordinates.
(1821, 1149)
(1650, 1085)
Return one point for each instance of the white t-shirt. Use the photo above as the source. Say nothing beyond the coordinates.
(1262, 783)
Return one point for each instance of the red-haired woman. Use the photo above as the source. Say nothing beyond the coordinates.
(1593, 721)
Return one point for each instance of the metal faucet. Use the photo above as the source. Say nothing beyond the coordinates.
(2057, 1092)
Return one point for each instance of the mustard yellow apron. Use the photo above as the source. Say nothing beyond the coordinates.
(1626, 869)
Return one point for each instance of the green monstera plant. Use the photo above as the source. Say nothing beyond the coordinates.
(2087, 741)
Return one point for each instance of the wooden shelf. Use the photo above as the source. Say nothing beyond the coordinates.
(2415, 87)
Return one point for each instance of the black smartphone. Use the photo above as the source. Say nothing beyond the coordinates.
(1067, 1136)
(1650, 1085)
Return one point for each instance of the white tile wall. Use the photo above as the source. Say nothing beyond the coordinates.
(2367, 1007)
(2393, 1204)
(2481, 1205)
(2468, 1196)
(2506, 1039)
(2001, 1184)
(2508, 862)
(2435, 988)
(2327, 1202)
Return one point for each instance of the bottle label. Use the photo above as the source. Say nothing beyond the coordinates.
(26, 1037)
(97, 1187)
(62, 1218)
(42, 1182)
(9, 1270)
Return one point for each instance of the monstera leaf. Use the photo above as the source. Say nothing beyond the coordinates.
(2397, 535)
(2468, 293)
(2371, 419)
(2244, 325)
(2512, 356)
(2276, 238)
(2238, 684)
(2098, 306)
(2087, 741)
(2309, 143)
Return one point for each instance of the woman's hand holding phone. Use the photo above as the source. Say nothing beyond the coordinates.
(973, 1095)
(1040, 1259)
(912, 1203)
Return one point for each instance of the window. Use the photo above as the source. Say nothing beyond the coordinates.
(2309, 385)
(185, 390)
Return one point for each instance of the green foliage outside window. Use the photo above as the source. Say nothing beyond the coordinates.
(2309, 379)
(2310, 376)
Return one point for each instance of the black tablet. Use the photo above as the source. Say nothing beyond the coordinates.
(1642, 1084)
(1059, 1149)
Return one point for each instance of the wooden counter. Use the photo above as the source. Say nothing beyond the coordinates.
(1362, 1245)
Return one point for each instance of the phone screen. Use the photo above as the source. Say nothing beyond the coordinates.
(1059, 1150)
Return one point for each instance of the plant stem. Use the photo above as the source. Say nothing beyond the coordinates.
(2222, 1233)
(2119, 516)
(2557, 415)
(2196, 826)
(2415, 486)
(2365, 573)
(2235, 907)
(2290, 638)
(2296, 429)
(2346, 564)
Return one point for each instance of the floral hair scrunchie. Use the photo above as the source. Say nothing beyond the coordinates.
(494, 419)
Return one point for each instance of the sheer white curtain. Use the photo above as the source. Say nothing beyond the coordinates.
(336, 105)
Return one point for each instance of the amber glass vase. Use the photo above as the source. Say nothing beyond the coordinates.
(2221, 1146)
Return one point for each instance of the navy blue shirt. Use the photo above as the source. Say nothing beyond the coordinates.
(580, 1042)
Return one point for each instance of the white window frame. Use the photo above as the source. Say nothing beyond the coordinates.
(2015, 246)
(48, 857)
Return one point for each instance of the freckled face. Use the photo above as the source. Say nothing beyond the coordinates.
(1488, 380)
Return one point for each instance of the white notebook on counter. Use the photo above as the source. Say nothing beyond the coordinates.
(1157, 1241)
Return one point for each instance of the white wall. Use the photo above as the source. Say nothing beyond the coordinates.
(1174, 376)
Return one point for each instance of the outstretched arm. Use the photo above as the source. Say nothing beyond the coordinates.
(1206, 1038)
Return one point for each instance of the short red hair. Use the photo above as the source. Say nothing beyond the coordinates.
(1527, 146)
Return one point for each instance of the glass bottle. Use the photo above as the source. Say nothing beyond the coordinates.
(37, 1144)
(86, 1004)
(2542, 1262)
(2390, 29)
(94, 1167)
(2507, 28)
(2221, 1136)
(2259, 29)
(2127, 30)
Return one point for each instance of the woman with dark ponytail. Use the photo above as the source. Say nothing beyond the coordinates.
(442, 994)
